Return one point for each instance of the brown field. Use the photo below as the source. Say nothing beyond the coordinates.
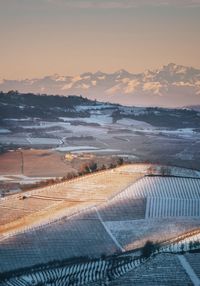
(10, 163)
(36, 163)
(44, 163)
(46, 204)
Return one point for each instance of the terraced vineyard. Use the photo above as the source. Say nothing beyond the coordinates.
(164, 270)
(33, 207)
(104, 214)
(121, 210)
(166, 196)
(194, 260)
(80, 235)
(126, 269)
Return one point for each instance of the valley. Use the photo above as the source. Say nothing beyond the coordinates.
(86, 185)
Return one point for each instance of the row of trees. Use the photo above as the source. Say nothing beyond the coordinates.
(84, 169)
(92, 166)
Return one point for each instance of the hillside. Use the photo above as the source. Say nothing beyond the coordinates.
(95, 228)
(77, 125)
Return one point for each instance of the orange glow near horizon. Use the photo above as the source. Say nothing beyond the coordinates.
(41, 38)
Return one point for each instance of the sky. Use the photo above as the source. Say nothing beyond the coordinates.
(69, 37)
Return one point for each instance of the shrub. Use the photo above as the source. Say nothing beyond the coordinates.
(148, 249)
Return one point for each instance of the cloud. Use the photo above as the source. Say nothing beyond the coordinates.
(123, 4)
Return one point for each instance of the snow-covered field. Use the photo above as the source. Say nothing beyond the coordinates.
(46, 124)
(166, 196)
(13, 140)
(96, 151)
(22, 179)
(4, 131)
(104, 133)
(44, 141)
(118, 223)
(76, 148)
(134, 123)
(164, 187)
(101, 119)
(134, 233)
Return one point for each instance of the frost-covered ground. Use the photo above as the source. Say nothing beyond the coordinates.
(135, 233)
(98, 118)
(76, 148)
(4, 131)
(117, 223)
(134, 123)
(22, 179)
(104, 131)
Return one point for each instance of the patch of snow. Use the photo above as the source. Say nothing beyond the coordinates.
(18, 119)
(94, 118)
(67, 86)
(75, 148)
(93, 107)
(60, 78)
(97, 151)
(83, 86)
(22, 179)
(183, 84)
(131, 86)
(76, 78)
(44, 141)
(127, 156)
(44, 125)
(101, 77)
(113, 89)
(184, 156)
(135, 123)
(183, 133)
(4, 130)
(134, 233)
(133, 110)
(154, 87)
(177, 171)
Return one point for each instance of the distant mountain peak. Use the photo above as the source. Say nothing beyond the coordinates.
(122, 71)
(99, 73)
(170, 85)
(174, 68)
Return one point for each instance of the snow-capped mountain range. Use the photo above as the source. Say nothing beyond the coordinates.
(172, 85)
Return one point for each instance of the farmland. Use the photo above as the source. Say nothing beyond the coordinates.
(167, 197)
(81, 125)
(20, 168)
(107, 212)
(171, 268)
(48, 203)
(64, 223)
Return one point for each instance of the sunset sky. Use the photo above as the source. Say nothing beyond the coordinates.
(68, 37)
